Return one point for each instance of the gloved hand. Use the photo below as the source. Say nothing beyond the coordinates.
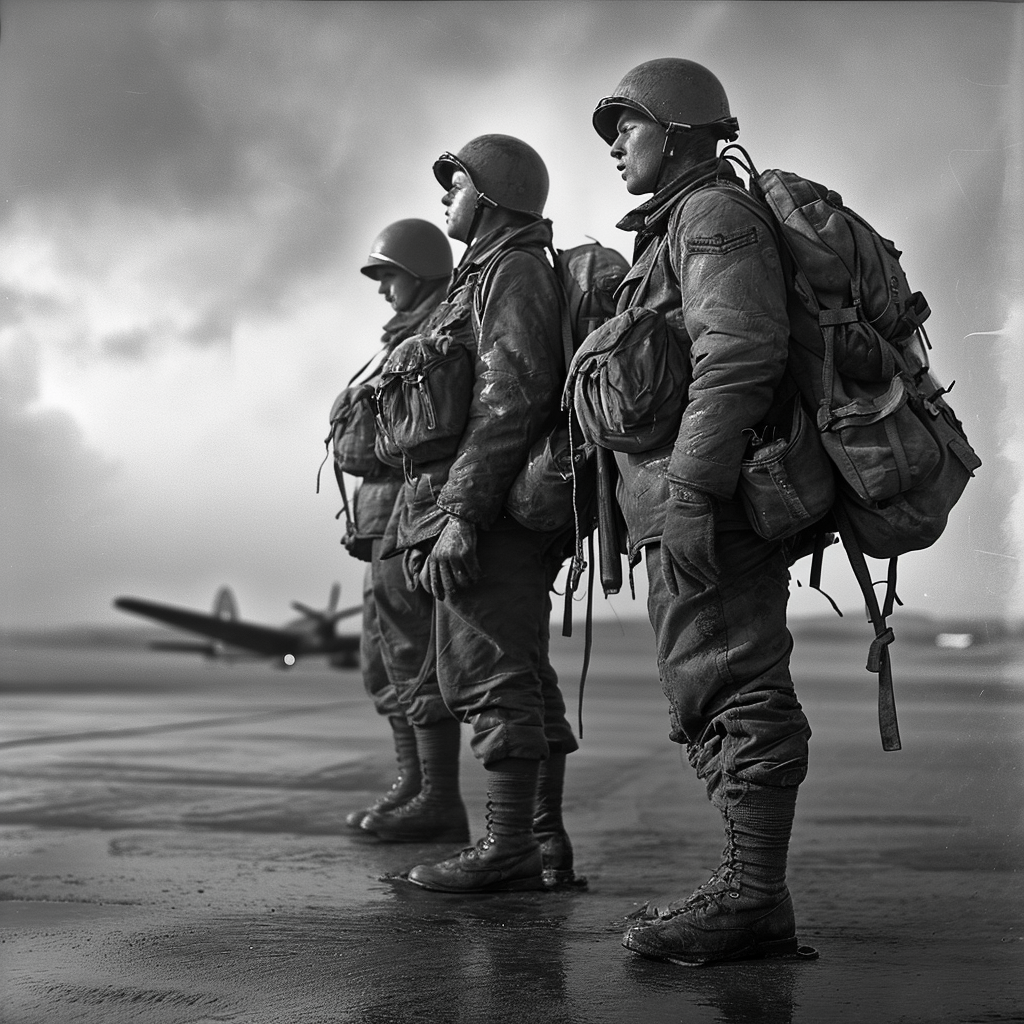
(412, 563)
(688, 540)
(452, 563)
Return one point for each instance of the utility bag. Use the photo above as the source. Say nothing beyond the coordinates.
(629, 379)
(354, 430)
(786, 482)
(858, 354)
(424, 395)
(628, 383)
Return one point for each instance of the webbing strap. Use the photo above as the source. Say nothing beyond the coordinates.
(821, 542)
(588, 632)
(878, 653)
(831, 317)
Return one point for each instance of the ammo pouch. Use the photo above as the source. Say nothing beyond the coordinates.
(424, 396)
(558, 477)
(628, 382)
(787, 483)
(354, 431)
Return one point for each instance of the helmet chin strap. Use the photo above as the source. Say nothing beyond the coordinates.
(666, 150)
(482, 203)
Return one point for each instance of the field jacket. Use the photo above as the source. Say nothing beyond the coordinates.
(717, 277)
(506, 286)
(374, 500)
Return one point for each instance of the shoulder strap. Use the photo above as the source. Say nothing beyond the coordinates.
(376, 357)
(878, 653)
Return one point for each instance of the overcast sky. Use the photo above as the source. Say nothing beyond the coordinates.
(190, 188)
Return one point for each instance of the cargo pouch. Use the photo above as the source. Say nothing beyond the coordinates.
(424, 396)
(354, 430)
(787, 483)
(628, 382)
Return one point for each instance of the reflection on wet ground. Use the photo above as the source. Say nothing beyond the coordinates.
(174, 850)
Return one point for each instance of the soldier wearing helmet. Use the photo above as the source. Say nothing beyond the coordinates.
(706, 257)
(489, 575)
(412, 261)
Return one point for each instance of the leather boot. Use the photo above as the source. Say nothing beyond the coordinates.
(436, 813)
(744, 911)
(508, 858)
(555, 846)
(406, 785)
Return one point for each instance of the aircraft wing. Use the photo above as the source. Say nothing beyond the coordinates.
(247, 635)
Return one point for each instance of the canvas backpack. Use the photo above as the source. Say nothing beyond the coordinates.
(352, 433)
(858, 358)
(554, 487)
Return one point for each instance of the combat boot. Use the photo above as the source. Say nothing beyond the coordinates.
(436, 813)
(508, 857)
(744, 911)
(555, 846)
(405, 786)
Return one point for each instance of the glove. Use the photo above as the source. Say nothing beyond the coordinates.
(688, 540)
(452, 562)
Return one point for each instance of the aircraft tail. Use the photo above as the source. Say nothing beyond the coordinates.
(224, 604)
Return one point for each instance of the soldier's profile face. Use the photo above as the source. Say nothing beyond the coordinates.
(460, 205)
(637, 152)
(399, 287)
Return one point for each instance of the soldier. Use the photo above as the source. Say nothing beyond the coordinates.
(412, 261)
(489, 575)
(718, 593)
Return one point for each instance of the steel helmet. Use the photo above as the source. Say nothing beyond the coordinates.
(675, 93)
(415, 246)
(505, 171)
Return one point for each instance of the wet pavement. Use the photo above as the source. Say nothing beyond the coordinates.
(174, 850)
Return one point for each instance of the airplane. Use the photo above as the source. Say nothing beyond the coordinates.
(313, 634)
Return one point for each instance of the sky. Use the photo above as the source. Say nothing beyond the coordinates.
(189, 189)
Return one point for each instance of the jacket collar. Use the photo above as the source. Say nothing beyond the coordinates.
(483, 250)
(651, 217)
(403, 325)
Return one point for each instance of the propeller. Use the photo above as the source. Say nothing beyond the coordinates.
(329, 615)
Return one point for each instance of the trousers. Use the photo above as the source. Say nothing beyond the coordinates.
(723, 657)
(399, 668)
(492, 642)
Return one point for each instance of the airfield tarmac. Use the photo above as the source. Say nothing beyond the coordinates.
(174, 850)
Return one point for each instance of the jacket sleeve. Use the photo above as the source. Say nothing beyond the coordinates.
(734, 311)
(517, 390)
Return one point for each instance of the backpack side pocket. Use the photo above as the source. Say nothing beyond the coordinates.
(787, 484)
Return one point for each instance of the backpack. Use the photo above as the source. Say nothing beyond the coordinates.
(353, 430)
(557, 481)
(858, 358)
(353, 435)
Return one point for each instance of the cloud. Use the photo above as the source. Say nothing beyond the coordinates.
(189, 189)
(57, 494)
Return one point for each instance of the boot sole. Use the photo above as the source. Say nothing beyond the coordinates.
(563, 880)
(769, 950)
(535, 883)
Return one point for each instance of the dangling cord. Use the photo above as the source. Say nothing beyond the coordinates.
(327, 453)
(350, 526)
(577, 564)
